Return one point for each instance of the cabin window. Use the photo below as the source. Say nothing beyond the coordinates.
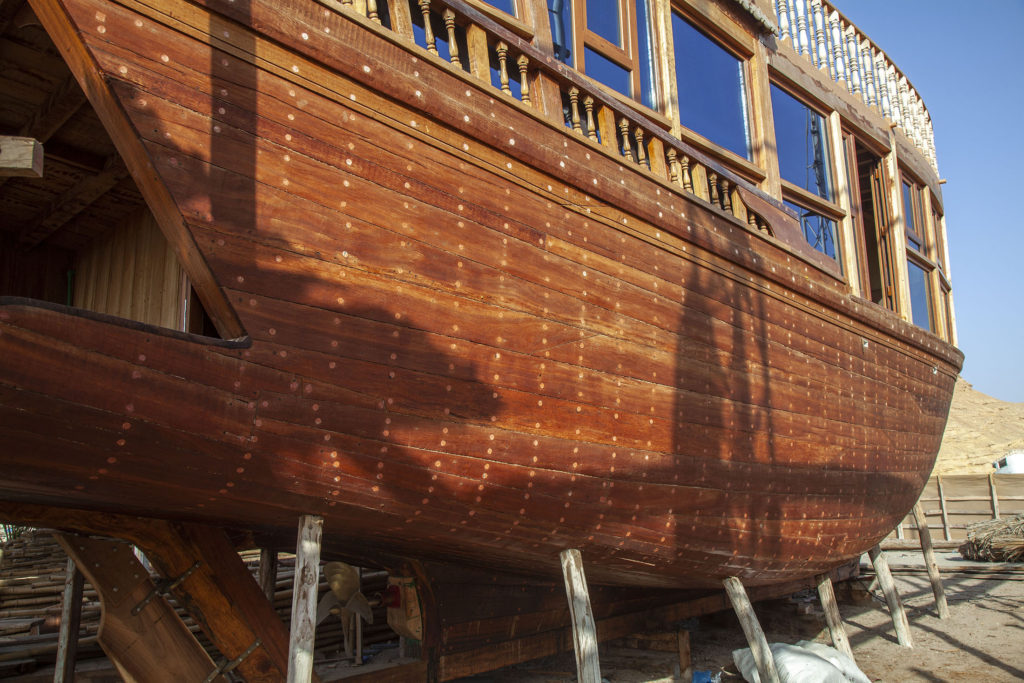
(801, 135)
(506, 6)
(712, 88)
(609, 41)
(820, 231)
(920, 295)
(912, 214)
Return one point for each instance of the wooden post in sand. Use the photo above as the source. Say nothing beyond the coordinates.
(304, 599)
(899, 617)
(752, 630)
(584, 630)
(929, 560)
(70, 620)
(832, 616)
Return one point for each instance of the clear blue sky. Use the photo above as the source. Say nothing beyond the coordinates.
(965, 61)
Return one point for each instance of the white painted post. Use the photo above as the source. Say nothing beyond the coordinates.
(752, 630)
(584, 630)
(304, 599)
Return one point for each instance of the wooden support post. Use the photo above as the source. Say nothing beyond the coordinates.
(139, 630)
(832, 616)
(884, 576)
(942, 508)
(929, 559)
(70, 619)
(993, 494)
(752, 630)
(584, 630)
(685, 655)
(268, 572)
(304, 599)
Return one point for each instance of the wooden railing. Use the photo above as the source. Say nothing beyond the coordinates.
(476, 44)
(834, 45)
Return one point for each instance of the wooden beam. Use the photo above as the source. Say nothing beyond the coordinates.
(268, 572)
(892, 597)
(143, 638)
(221, 593)
(685, 655)
(70, 620)
(752, 630)
(925, 535)
(20, 157)
(304, 599)
(584, 630)
(73, 201)
(832, 616)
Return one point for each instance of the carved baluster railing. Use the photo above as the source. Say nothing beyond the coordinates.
(502, 50)
(839, 63)
(819, 34)
(588, 106)
(869, 72)
(453, 46)
(428, 30)
(627, 148)
(574, 109)
(782, 13)
(726, 195)
(687, 177)
(673, 166)
(523, 62)
(713, 189)
(801, 27)
(371, 11)
(894, 94)
(904, 104)
(882, 83)
(852, 59)
(641, 154)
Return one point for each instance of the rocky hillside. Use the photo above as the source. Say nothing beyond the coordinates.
(980, 429)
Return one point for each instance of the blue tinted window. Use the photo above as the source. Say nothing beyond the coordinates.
(603, 19)
(712, 94)
(559, 12)
(920, 302)
(602, 69)
(801, 137)
(646, 56)
(909, 214)
(819, 231)
(508, 6)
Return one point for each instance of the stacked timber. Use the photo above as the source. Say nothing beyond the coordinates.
(32, 574)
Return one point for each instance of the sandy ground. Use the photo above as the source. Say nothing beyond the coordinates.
(982, 641)
(980, 429)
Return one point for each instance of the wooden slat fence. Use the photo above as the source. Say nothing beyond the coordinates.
(951, 502)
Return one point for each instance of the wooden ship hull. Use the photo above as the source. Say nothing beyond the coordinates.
(453, 326)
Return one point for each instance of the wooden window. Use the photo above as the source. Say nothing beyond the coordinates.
(912, 214)
(506, 6)
(921, 247)
(608, 40)
(712, 85)
(921, 308)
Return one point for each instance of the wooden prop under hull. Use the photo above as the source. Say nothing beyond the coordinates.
(453, 351)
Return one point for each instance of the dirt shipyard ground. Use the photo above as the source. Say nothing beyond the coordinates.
(982, 641)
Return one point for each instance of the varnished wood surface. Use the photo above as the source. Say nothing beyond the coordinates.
(455, 349)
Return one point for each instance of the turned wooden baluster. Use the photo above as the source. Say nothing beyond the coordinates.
(371, 10)
(882, 84)
(869, 72)
(782, 13)
(819, 33)
(752, 220)
(726, 196)
(428, 30)
(801, 28)
(524, 85)
(687, 179)
(905, 104)
(453, 47)
(713, 188)
(627, 149)
(851, 56)
(588, 105)
(894, 96)
(838, 63)
(502, 49)
(641, 153)
(574, 109)
(673, 166)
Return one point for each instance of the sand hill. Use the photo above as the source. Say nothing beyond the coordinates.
(980, 429)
